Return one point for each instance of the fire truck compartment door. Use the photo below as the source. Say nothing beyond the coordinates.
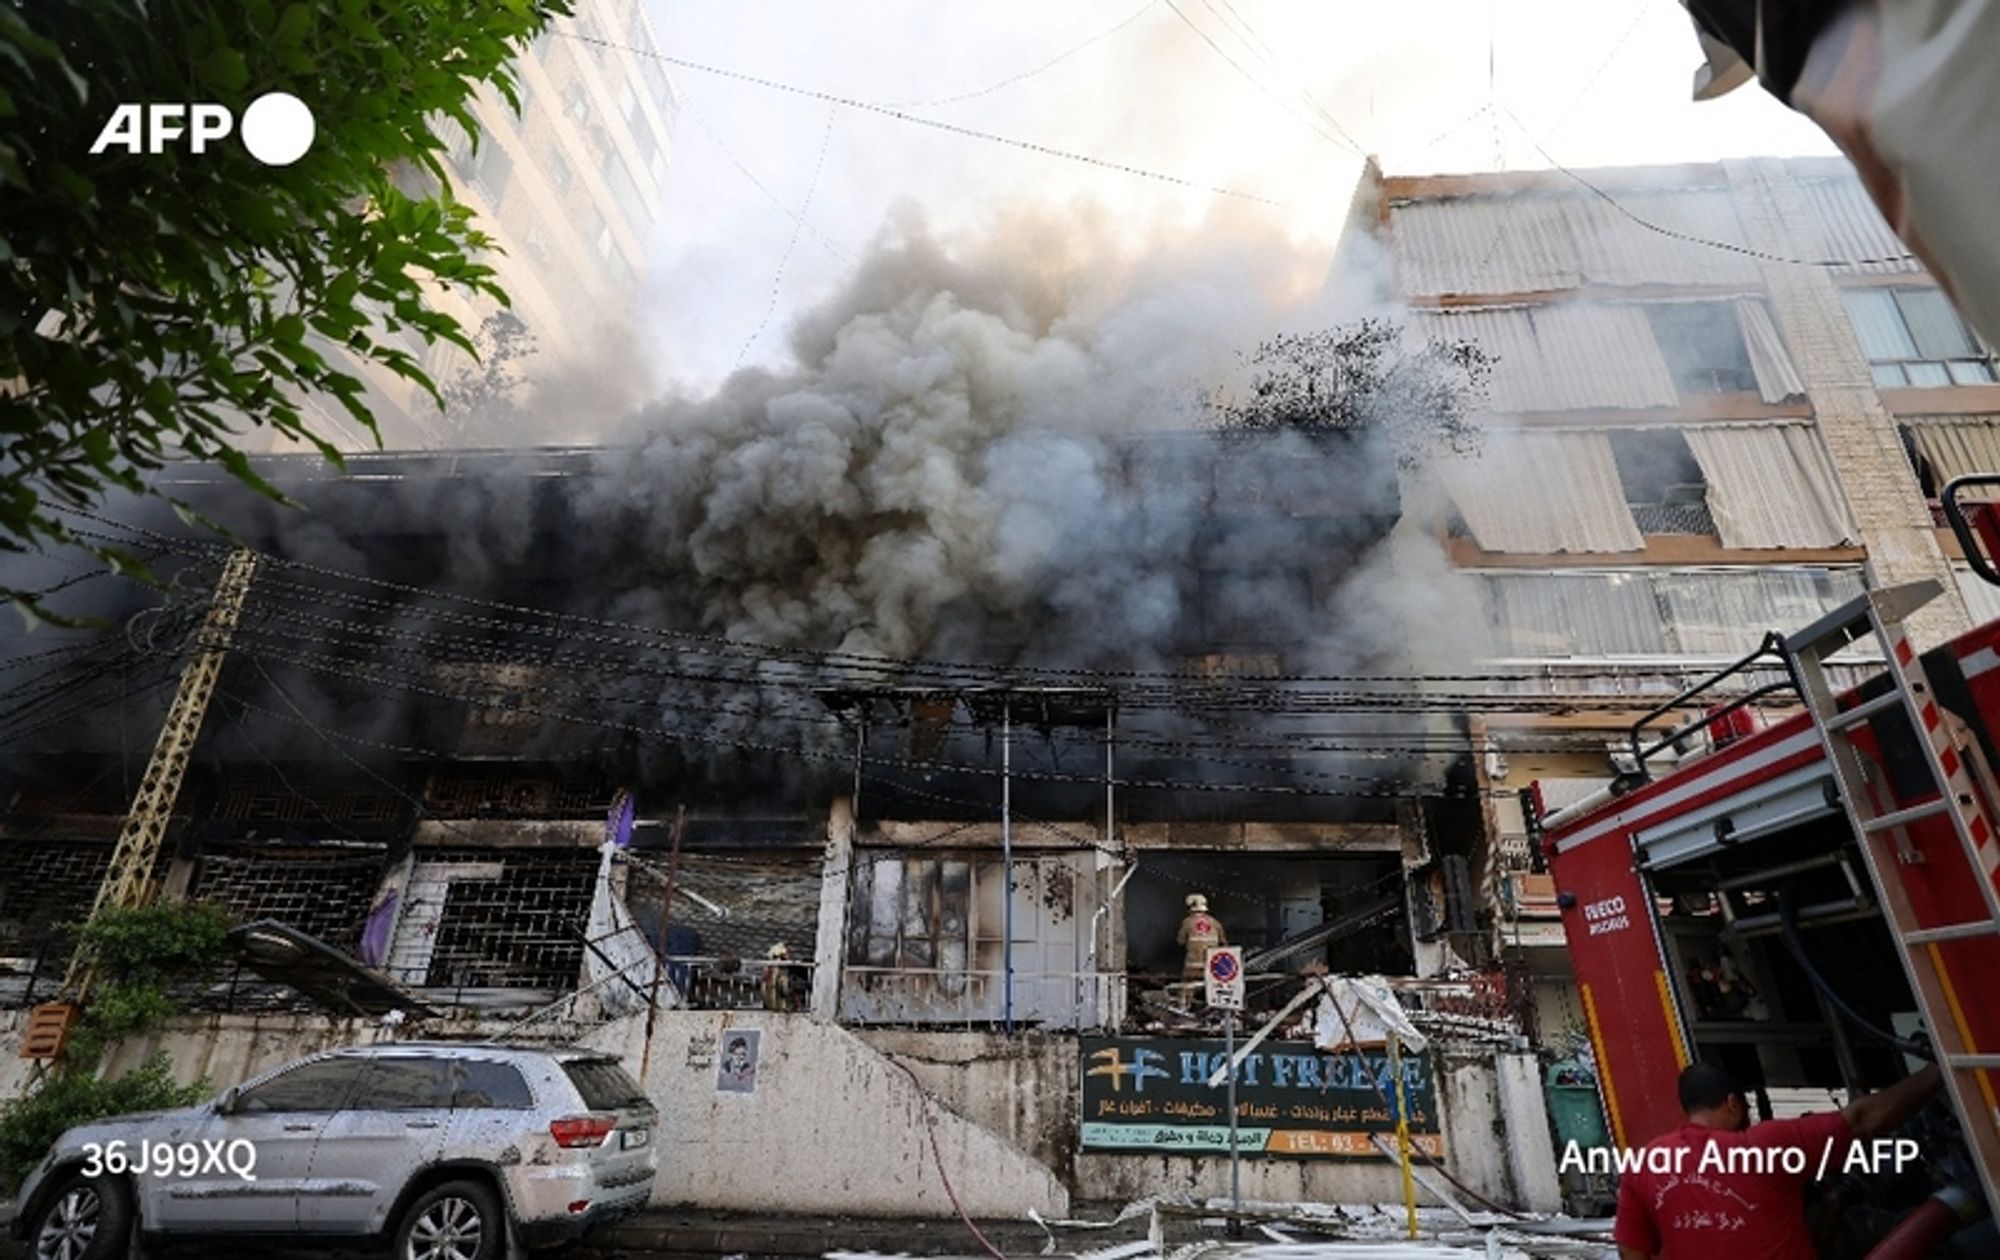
(1759, 809)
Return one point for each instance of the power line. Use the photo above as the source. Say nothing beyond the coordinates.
(792, 243)
(1339, 137)
(361, 672)
(1187, 748)
(826, 242)
(1269, 56)
(1689, 237)
(1178, 692)
(1639, 14)
(1181, 698)
(1050, 64)
(550, 623)
(1028, 146)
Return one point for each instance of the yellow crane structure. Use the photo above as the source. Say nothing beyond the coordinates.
(129, 879)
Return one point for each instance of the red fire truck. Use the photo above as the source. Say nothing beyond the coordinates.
(1815, 903)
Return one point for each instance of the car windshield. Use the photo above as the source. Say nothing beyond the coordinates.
(604, 1084)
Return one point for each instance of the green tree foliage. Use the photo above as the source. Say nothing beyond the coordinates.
(160, 305)
(1363, 376)
(141, 955)
(31, 1124)
(485, 397)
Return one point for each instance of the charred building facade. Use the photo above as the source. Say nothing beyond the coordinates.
(450, 671)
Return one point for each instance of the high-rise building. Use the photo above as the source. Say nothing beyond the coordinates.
(569, 188)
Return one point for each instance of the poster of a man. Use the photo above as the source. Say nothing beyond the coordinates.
(736, 1066)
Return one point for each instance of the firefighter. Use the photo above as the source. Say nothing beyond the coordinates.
(777, 978)
(1717, 1186)
(1200, 932)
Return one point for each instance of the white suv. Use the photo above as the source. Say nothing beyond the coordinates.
(442, 1149)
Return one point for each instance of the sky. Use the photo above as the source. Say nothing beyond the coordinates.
(773, 196)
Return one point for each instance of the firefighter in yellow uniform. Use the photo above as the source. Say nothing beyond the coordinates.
(1200, 932)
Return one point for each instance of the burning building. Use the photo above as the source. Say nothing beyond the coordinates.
(922, 685)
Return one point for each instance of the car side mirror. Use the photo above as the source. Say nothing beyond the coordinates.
(226, 1105)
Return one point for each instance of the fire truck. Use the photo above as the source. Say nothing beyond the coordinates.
(1813, 902)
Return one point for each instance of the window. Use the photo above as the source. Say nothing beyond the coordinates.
(405, 1085)
(1913, 337)
(1920, 464)
(1663, 483)
(624, 193)
(628, 106)
(536, 240)
(605, 243)
(1662, 612)
(484, 1084)
(558, 168)
(523, 91)
(1702, 343)
(317, 1086)
(604, 1085)
(576, 102)
(458, 149)
(492, 168)
(660, 88)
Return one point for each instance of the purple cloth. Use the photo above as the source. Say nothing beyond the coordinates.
(375, 934)
(618, 827)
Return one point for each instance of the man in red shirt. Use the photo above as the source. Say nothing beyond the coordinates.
(1719, 1186)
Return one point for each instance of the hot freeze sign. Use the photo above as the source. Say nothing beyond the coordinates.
(1148, 1094)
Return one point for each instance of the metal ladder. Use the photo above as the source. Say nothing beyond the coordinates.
(1885, 842)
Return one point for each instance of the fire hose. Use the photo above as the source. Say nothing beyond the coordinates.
(1788, 922)
(1928, 1225)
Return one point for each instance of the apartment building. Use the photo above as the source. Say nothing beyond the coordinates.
(569, 187)
(1725, 400)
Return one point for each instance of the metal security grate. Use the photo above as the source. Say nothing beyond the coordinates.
(46, 888)
(327, 895)
(276, 802)
(505, 919)
(1673, 518)
(501, 792)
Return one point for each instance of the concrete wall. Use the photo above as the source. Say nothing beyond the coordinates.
(836, 1126)
(832, 1126)
(1024, 1088)
(1859, 433)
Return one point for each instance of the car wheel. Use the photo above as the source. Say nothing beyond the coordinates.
(459, 1220)
(87, 1218)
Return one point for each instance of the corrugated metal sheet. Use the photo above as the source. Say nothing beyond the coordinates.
(1844, 224)
(1614, 248)
(1957, 445)
(1600, 356)
(1513, 244)
(1505, 334)
(1770, 485)
(1563, 357)
(1543, 492)
(1777, 380)
(1530, 242)
(1982, 598)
